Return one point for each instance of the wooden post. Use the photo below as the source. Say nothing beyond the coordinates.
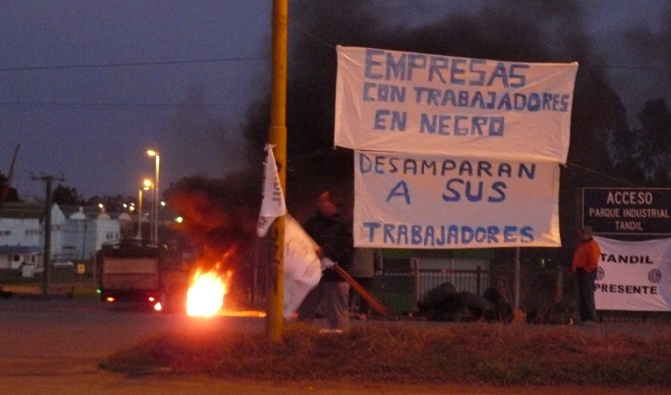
(375, 304)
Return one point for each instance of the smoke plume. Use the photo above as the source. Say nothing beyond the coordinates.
(509, 30)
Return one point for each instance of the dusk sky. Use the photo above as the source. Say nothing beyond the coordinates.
(87, 86)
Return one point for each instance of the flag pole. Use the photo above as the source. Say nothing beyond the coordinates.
(277, 137)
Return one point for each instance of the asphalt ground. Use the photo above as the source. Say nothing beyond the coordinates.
(55, 346)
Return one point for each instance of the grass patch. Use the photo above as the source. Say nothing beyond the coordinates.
(400, 353)
(64, 281)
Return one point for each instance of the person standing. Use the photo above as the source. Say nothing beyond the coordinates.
(333, 234)
(365, 263)
(585, 265)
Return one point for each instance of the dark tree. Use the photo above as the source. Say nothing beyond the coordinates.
(655, 141)
(626, 156)
(111, 203)
(642, 155)
(67, 196)
(7, 193)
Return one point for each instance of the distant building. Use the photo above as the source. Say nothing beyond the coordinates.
(76, 233)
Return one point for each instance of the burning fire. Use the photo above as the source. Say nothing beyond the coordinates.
(205, 297)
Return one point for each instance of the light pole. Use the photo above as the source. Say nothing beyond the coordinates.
(146, 184)
(139, 216)
(155, 155)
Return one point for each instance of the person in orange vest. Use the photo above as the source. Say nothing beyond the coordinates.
(585, 265)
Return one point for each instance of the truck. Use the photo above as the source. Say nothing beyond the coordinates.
(131, 272)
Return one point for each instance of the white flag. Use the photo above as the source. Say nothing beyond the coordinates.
(273, 204)
(302, 268)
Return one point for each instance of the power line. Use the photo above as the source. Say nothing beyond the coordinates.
(316, 38)
(134, 64)
(111, 104)
(645, 68)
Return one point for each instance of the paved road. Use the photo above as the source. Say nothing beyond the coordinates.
(55, 347)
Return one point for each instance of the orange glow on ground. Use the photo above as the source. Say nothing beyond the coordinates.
(247, 313)
(205, 297)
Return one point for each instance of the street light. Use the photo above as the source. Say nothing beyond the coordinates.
(146, 186)
(155, 154)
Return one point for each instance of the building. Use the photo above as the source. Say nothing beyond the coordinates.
(76, 233)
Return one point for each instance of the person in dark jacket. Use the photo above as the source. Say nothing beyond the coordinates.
(333, 234)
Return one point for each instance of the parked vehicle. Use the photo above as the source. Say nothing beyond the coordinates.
(131, 272)
(63, 264)
(145, 274)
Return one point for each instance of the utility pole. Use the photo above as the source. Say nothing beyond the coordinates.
(46, 258)
(278, 138)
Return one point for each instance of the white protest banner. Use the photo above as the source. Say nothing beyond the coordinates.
(302, 268)
(418, 201)
(432, 104)
(634, 275)
(273, 204)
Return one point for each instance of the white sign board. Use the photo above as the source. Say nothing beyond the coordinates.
(432, 104)
(634, 276)
(418, 201)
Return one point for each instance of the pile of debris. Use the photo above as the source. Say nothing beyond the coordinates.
(444, 303)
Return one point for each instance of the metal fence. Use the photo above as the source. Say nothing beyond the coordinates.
(475, 281)
(403, 283)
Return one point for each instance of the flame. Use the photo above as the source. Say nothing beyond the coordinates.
(205, 297)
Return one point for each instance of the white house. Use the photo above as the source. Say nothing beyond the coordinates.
(20, 240)
(85, 231)
(75, 234)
